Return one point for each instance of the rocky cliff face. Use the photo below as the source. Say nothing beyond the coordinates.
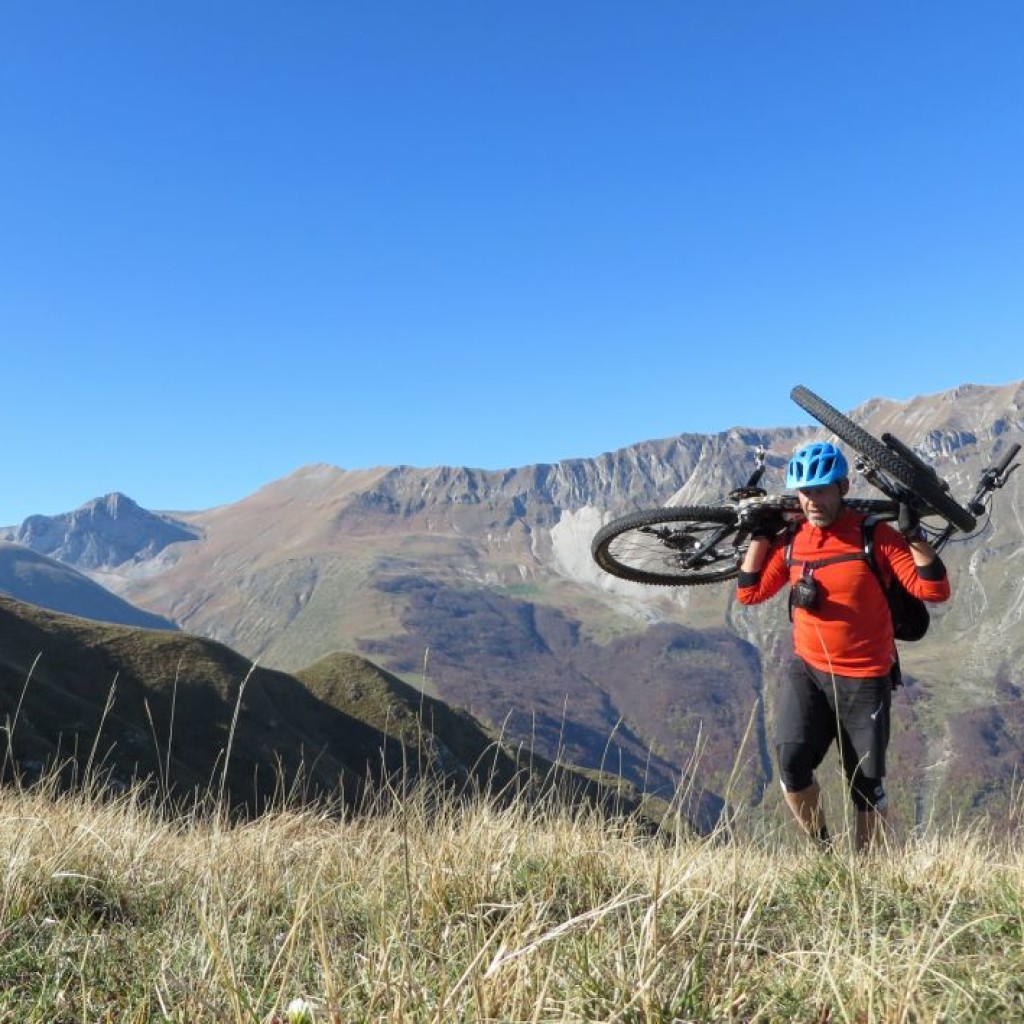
(479, 586)
(104, 532)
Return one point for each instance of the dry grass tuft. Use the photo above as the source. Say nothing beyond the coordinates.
(432, 911)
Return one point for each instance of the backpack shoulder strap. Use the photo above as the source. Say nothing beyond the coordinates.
(791, 529)
(868, 533)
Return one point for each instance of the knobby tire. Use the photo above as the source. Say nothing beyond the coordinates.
(652, 545)
(927, 487)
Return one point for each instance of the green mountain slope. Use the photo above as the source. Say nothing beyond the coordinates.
(196, 720)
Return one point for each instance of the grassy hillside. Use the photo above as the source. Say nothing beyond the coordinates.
(191, 720)
(436, 912)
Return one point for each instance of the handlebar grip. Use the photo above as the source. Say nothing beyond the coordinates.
(1007, 459)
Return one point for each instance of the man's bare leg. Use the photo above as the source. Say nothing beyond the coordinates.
(806, 807)
(871, 828)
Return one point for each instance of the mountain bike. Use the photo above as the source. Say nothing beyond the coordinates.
(691, 545)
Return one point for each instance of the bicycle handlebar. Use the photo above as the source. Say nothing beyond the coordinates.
(1000, 469)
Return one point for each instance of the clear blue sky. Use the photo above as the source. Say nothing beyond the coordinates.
(238, 237)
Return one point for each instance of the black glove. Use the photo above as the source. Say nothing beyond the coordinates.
(908, 522)
(768, 525)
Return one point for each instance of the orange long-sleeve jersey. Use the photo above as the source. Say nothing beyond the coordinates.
(850, 632)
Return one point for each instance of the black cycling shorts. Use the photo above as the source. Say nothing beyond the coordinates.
(817, 708)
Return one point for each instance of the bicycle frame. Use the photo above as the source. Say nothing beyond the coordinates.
(689, 545)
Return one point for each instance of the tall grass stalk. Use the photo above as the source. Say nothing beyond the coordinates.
(170, 725)
(12, 723)
(231, 736)
(89, 777)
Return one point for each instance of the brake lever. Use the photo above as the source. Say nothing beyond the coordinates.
(992, 479)
(1003, 477)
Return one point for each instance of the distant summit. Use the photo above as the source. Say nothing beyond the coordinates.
(102, 534)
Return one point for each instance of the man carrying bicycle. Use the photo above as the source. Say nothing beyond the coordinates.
(839, 684)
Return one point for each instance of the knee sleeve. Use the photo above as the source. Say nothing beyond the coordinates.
(867, 793)
(796, 766)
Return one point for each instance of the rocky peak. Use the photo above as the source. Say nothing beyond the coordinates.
(102, 533)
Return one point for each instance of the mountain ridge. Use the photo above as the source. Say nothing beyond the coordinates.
(110, 530)
(455, 568)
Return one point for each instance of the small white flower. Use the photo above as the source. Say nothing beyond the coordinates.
(299, 1011)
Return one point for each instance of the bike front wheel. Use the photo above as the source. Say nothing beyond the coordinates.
(684, 546)
(926, 486)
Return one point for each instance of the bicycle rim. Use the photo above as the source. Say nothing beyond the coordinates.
(684, 546)
(922, 484)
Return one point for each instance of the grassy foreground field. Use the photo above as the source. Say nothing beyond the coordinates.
(113, 911)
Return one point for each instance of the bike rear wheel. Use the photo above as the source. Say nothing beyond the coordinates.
(684, 546)
(922, 483)
(688, 545)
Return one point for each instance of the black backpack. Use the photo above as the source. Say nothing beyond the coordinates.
(910, 618)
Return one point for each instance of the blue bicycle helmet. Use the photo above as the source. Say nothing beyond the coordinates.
(815, 465)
